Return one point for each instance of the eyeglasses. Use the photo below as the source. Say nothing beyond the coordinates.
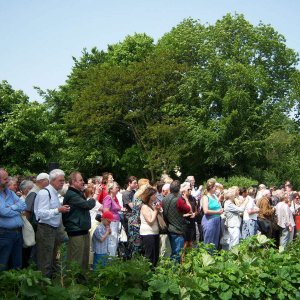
(189, 189)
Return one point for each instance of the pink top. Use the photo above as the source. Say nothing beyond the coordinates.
(112, 206)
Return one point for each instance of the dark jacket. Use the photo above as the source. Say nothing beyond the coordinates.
(173, 218)
(78, 220)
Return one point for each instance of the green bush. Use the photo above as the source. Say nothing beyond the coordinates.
(255, 269)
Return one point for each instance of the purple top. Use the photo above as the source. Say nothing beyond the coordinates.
(112, 206)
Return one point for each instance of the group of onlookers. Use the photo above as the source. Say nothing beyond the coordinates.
(92, 217)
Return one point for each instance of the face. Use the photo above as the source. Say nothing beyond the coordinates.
(106, 222)
(78, 183)
(152, 199)
(297, 199)
(13, 186)
(3, 179)
(44, 183)
(110, 178)
(58, 182)
(188, 191)
(165, 192)
(133, 185)
(114, 190)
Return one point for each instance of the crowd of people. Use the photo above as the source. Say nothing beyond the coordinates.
(92, 218)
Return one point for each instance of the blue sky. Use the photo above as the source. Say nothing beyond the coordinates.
(39, 37)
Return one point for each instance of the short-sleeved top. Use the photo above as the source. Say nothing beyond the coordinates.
(97, 246)
(113, 207)
(214, 204)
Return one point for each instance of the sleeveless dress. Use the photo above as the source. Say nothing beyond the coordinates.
(211, 224)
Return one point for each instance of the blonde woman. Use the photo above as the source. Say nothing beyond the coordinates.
(232, 217)
(111, 203)
(211, 221)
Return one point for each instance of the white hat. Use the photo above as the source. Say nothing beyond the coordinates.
(42, 176)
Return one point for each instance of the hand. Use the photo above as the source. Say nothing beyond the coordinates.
(221, 211)
(108, 230)
(98, 189)
(64, 209)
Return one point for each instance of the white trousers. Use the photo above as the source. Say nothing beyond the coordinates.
(234, 236)
(113, 238)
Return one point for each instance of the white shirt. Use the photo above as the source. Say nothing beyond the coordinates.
(283, 214)
(250, 206)
(45, 209)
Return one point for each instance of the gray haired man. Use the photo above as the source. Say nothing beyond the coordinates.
(48, 210)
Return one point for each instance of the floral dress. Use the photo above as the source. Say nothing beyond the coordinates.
(134, 222)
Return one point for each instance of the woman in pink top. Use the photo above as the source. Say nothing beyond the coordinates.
(110, 203)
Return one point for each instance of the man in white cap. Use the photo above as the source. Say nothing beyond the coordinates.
(42, 180)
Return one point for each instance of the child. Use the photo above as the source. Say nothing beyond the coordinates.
(100, 240)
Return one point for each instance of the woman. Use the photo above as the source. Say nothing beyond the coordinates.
(110, 203)
(265, 217)
(211, 221)
(232, 217)
(106, 180)
(186, 204)
(250, 215)
(149, 229)
(134, 238)
(295, 208)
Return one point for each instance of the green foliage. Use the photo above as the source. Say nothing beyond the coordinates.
(254, 269)
(239, 181)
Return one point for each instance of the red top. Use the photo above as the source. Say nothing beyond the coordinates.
(103, 193)
(182, 207)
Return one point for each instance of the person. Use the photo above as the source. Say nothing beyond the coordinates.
(196, 193)
(186, 205)
(249, 226)
(265, 217)
(149, 229)
(77, 221)
(134, 238)
(211, 221)
(284, 220)
(111, 203)
(25, 187)
(48, 211)
(100, 240)
(11, 240)
(127, 198)
(106, 180)
(165, 189)
(174, 220)
(232, 217)
(42, 180)
(295, 208)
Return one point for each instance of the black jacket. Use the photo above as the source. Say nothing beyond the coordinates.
(78, 220)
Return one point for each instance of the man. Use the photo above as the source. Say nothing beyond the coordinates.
(48, 210)
(196, 193)
(174, 220)
(78, 221)
(127, 197)
(11, 240)
(42, 180)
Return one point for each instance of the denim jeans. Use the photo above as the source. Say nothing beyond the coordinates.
(284, 237)
(11, 242)
(177, 242)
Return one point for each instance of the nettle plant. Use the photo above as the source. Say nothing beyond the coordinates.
(255, 269)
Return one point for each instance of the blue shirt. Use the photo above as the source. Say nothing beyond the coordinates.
(98, 246)
(11, 207)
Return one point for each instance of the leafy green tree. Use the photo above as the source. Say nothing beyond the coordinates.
(239, 90)
(29, 140)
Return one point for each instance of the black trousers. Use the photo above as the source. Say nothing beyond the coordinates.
(150, 245)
